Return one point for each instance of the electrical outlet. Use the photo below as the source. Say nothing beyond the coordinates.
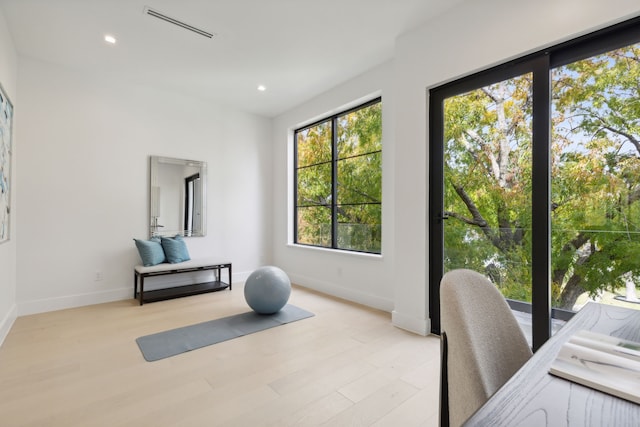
(98, 276)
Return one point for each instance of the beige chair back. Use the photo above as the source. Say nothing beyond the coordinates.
(485, 345)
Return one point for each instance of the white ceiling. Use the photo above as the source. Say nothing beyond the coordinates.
(296, 48)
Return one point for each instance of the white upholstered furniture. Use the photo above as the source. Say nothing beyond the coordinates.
(484, 345)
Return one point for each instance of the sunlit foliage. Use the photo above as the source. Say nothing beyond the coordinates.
(339, 181)
(595, 153)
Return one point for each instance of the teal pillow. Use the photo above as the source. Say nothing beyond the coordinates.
(150, 251)
(175, 249)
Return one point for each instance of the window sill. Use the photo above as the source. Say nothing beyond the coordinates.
(337, 251)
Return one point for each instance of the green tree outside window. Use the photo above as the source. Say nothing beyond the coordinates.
(339, 181)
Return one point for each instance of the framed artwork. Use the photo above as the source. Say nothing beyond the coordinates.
(6, 120)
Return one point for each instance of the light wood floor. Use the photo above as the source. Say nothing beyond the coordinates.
(347, 366)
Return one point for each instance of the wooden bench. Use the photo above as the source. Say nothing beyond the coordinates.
(177, 291)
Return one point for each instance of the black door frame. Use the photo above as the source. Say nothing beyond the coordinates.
(540, 64)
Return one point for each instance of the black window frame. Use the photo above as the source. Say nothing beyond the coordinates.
(541, 64)
(332, 119)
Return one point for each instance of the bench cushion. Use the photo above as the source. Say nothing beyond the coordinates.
(193, 263)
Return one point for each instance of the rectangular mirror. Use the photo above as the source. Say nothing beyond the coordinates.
(177, 197)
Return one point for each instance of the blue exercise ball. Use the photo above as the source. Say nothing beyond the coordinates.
(267, 290)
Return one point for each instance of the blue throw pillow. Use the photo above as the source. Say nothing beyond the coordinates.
(175, 249)
(150, 251)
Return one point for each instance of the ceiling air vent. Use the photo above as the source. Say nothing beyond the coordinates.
(160, 15)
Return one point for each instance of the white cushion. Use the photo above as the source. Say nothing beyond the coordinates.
(193, 263)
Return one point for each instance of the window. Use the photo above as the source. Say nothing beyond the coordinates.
(534, 177)
(338, 181)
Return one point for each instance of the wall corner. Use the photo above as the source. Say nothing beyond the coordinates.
(411, 324)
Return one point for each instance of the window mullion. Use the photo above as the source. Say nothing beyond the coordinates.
(540, 203)
(334, 183)
(295, 188)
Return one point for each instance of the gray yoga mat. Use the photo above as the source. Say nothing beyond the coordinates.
(176, 341)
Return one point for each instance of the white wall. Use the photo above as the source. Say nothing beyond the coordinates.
(8, 75)
(83, 145)
(469, 37)
(472, 36)
(367, 279)
(84, 173)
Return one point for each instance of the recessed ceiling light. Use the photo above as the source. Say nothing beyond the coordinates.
(110, 39)
(262, 88)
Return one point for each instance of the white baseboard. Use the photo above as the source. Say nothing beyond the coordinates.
(411, 324)
(7, 323)
(344, 293)
(71, 301)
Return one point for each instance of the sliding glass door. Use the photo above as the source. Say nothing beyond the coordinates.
(487, 183)
(596, 179)
(535, 178)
